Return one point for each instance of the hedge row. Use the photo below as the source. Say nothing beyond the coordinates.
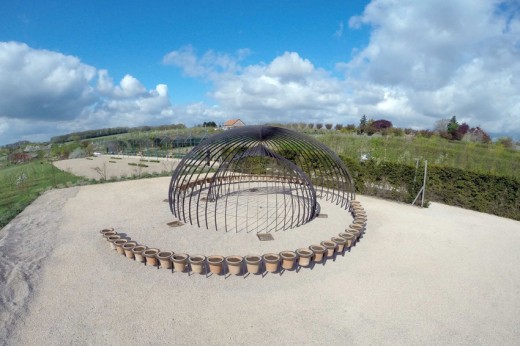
(476, 191)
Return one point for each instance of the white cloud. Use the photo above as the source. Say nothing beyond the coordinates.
(209, 65)
(289, 88)
(440, 59)
(40, 84)
(44, 92)
(425, 60)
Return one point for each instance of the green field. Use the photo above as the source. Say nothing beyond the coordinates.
(21, 184)
(474, 157)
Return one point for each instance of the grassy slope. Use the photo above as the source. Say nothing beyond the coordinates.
(490, 159)
(22, 183)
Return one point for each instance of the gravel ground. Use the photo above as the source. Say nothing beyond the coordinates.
(440, 275)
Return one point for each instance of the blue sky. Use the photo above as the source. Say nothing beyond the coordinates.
(70, 66)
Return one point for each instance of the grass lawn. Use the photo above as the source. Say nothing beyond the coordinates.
(21, 184)
(481, 158)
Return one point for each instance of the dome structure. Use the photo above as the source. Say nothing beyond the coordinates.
(257, 178)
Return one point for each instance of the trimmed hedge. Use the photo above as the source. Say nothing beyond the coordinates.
(453, 186)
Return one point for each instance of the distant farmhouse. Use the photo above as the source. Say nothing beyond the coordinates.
(231, 124)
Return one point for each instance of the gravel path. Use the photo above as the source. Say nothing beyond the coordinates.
(440, 275)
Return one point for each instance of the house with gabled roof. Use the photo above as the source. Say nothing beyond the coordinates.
(231, 124)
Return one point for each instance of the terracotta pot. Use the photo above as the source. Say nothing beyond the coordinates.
(197, 263)
(127, 248)
(108, 234)
(360, 218)
(354, 232)
(340, 243)
(304, 257)
(234, 264)
(349, 238)
(119, 246)
(253, 263)
(360, 215)
(215, 264)
(354, 204)
(165, 258)
(330, 246)
(107, 230)
(111, 239)
(151, 256)
(288, 259)
(318, 250)
(179, 261)
(356, 227)
(271, 261)
(138, 253)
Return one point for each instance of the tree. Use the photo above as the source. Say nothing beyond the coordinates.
(453, 126)
(209, 124)
(328, 126)
(338, 127)
(319, 126)
(351, 128)
(362, 124)
(381, 124)
(461, 131)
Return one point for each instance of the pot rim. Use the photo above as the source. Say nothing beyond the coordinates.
(182, 259)
(288, 255)
(153, 254)
(163, 257)
(328, 244)
(303, 252)
(197, 259)
(346, 235)
(249, 259)
(276, 258)
(234, 259)
(124, 241)
(113, 239)
(105, 230)
(130, 243)
(341, 240)
(215, 259)
(136, 250)
(108, 234)
(319, 249)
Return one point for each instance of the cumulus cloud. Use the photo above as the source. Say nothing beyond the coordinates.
(442, 59)
(425, 60)
(40, 84)
(289, 88)
(43, 92)
(209, 65)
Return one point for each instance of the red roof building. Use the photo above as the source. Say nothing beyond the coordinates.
(231, 124)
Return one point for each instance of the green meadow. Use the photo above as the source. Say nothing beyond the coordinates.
(21, 184)
(491, 158)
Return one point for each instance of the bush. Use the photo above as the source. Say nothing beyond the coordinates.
(453, 186)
